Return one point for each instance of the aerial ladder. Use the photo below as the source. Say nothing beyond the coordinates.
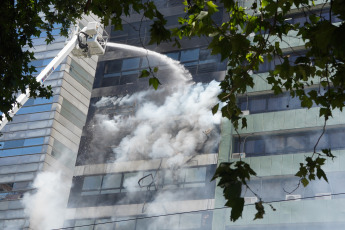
(90, 40)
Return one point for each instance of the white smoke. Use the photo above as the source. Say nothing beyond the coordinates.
(176, 122)
(46, 207)
(171, 123)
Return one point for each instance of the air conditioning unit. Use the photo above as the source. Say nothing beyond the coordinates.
(323, 196)
(245, 112)
(250, 200)
(295, 197)
(238, 155)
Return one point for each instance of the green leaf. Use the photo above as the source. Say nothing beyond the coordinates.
(244, 122)
(328, 153)
(154, 82)
(320, 161)
(144, 73)
(302, 171)
(305, 182)
(264, 3)
(321, 174)
(159, 33)
(236, 205)
(215, 109)
(155, 70)
(212, 8)
(260, 210)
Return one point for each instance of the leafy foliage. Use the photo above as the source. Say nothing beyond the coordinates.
(253, 36)
(231, 180)
(250, 37)
(21, 21)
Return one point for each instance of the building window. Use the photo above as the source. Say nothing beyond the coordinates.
(288, 143)
(269, 103)
(13, 191)
(92, 185)
(197, 61)
(191, 221)
(144, 181)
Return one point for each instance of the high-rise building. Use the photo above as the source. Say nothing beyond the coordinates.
(280, 134)
(149, 153)
(146, 158)
(45, 133)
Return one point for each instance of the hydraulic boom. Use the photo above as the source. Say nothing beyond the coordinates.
(84, 43)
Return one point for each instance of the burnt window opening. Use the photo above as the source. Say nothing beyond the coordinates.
(8, 187)
(152, 180)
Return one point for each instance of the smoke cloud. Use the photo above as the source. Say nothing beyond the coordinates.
(169, 123)
(46, 207)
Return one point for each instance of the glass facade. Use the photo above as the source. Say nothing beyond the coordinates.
(193, 221)
(29, 143)
(279, 136)
(105, 180)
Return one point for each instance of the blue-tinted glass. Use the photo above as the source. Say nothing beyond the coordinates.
(237, 146)
(41, 100)
(43, 34)
(34, 141)
(37, 63)
(132, 63)
(130, 72)
(324, 142)
(275, 144)
(20, 151)
(258, 104)
(206, 57)
(174, 55)
(57, 25)
(41, 62)
(336, 139)
(189, 55)
(46, 61)
(31, 150)
(293, 103)
(13, 144)
(112, 75)
(38, 101)
(267, 66)
(35, 109)
(276, 103)
(1, 145)
(55, 32)
(243, 103)
(254, 147)
(191, 63)
(113, 66)
(29, 102)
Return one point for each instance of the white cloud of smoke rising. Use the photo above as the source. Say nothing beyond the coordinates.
(47, 206)
(168, 123)
(176, 122)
